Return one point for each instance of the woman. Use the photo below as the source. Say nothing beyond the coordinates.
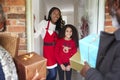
(48, 30)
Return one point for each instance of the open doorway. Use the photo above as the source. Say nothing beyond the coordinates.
(93, 9)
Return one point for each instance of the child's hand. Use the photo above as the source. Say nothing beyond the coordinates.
(62, 67)
(68, 68)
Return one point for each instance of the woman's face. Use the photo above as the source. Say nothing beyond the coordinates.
(55, 15)
(68, 33)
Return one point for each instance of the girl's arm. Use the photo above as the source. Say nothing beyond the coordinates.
(74, 49)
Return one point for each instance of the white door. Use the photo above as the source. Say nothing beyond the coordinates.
(96, 14)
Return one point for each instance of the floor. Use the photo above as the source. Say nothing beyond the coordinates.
(75, 76)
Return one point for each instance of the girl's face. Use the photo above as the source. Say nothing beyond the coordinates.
(68, 33)
(55, 15)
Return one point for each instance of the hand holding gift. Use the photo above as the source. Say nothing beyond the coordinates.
(85, 68)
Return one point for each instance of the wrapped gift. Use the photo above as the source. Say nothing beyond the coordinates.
(31, 66)
(75, 62)
(89, 49)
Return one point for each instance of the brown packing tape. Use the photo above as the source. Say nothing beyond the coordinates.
(75, 62)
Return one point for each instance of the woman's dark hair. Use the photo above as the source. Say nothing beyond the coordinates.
(58, 23)
(74, 33)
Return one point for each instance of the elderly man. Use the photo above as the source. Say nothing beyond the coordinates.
(108, 59)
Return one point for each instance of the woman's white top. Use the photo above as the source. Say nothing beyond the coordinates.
(41, 29)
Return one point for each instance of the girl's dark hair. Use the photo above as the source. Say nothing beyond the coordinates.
(58, 23)
(74, 33)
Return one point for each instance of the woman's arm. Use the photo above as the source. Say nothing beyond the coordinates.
(40, 29)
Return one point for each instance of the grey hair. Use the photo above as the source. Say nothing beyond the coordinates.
(2, 17)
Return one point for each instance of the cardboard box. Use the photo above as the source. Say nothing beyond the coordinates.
(75, 62)
(89, 49)
(31, 65)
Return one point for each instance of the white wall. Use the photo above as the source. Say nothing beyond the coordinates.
(42, 10)
(79, 11)
(39, 11)
(93, 15)
(96, 15)
(35, 10)
(70, 17)
(101, 18)
(76, 16)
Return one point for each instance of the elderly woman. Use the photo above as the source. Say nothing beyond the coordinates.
(2, 20)
(7, 66)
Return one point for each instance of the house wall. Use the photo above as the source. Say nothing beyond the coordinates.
(70, 17)
(15, 20)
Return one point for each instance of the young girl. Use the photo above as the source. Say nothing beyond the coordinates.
(47, 29)
(65, 48)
